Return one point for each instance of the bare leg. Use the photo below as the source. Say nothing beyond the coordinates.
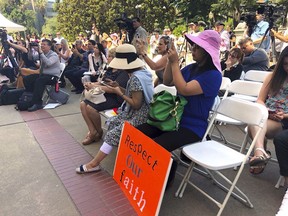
(89, 123)
(270, 129)
(96, 121)
(96, 160)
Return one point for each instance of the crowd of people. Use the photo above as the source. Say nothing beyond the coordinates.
(129, 84)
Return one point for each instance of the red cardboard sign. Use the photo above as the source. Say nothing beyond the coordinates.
(141, 169)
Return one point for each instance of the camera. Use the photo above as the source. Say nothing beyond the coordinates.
(31, 44)
(272, 12)
(3, 36)
(125, 23)
(6, 47)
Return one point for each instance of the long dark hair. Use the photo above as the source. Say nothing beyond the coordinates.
(209, 65)
(279, 75)
(102, 50)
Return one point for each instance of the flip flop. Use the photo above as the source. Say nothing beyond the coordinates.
(83, 169)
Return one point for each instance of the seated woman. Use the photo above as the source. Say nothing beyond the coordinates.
(199, 83)
(273, 95)
(137, 96)
(90, 111)
(97, 61)
(234, 68)
(159, 65)
(64, 53)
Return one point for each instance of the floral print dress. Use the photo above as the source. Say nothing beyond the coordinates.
(126, 113)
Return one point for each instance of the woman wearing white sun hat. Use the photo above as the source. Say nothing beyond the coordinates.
(137, 97)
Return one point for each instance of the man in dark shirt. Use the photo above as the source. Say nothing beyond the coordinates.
(74, 61)
(255, 58)
(74, 75)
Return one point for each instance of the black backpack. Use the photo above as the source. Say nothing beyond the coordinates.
(25, 101)
(10, 96)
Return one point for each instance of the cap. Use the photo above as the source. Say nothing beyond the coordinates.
(219, 23)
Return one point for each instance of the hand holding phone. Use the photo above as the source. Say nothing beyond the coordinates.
(271, 112)
(105, 83)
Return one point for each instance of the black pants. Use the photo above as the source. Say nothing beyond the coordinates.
(169, 140)
(74, 75)
(36, 83)
(281, 148)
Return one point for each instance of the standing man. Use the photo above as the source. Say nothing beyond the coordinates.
(254, 59)
(140, 33)
(225, 39)
(259, 31)
(49, 74)
(58, 38)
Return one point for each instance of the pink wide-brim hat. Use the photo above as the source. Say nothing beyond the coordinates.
(210, 41)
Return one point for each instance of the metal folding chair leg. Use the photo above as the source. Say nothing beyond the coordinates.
(280, 182)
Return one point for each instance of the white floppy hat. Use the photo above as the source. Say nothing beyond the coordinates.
(126, 58)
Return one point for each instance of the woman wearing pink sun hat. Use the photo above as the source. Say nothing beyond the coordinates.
(199, 83)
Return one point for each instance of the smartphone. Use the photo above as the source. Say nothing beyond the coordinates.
(105, 83)
(169, 43)
(271, 111)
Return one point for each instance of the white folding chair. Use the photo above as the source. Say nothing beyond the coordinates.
(244, 90)
(214, 156)
(256, 75)
(161, 87)
(46, 97)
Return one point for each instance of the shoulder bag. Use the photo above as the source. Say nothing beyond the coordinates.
(166, 110)
(95, 95)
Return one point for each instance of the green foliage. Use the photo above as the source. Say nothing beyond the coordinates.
(75, 17)
(50, 26)
(179, 29)
(21, 12)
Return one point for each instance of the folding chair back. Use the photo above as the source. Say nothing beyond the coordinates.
(247, 88)
(213, 156)
(256, 75)
(162, 87)
(225, 83)
(62, 68)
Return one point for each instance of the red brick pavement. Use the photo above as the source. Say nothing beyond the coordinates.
(93, 194)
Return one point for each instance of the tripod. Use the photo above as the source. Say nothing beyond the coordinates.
(271, 24)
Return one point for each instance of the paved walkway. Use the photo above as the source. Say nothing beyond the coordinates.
(39, 152)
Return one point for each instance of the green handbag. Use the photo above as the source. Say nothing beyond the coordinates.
(166, 110)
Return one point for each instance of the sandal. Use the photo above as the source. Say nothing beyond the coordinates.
(257, 165)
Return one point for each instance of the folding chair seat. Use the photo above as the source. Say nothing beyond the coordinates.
(214, 156)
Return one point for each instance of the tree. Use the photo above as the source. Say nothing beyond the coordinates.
(21, 12)
(74, 17)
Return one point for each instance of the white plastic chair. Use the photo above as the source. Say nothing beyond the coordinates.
(244, 90)
(256, 75)
(48, 87)
(214, 156)
(161, 87)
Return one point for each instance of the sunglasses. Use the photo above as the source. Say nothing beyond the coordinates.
(194, 46)
(232, 55)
